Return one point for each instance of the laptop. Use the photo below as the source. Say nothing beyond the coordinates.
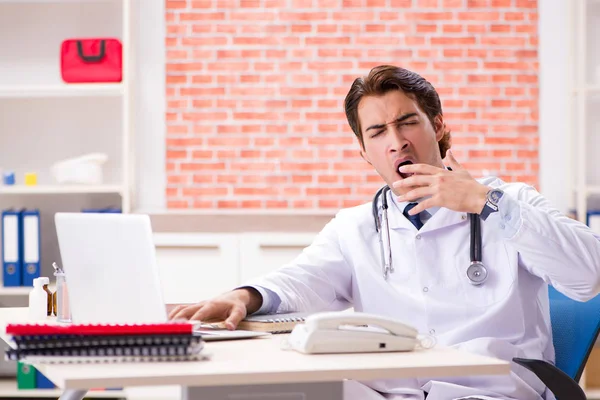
(112, 272)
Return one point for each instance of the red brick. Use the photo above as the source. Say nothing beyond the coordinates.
(504, 153)
(453, 53)
(502, 78)
(501, 103)
(176, 4)
(202, 4)
(421, 28)
(477, 28)
(503, 41)
(327, 191)
(479, 16)
(501, 28)
(401, 3)
(514, 16)
(526, 3)
(478, 3)
(453, 28)
(453, 41)
(531, 29)
(174, 204)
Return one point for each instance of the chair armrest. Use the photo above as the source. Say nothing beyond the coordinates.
(559, 383)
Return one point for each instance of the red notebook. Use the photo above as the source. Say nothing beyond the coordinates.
(100, 329)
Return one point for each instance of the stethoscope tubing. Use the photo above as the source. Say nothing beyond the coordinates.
(476, 272)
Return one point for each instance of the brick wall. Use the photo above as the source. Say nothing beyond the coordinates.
(255, 90)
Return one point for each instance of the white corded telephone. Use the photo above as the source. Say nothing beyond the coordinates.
(357, 332)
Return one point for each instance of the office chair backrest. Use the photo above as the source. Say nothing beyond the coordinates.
(575, 327)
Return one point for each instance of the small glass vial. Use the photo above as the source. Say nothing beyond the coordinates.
(62, 309)
(38, 301)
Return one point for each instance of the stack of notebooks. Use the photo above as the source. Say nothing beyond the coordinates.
(272, 323)
(92, 343)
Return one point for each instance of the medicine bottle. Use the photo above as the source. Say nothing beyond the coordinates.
(38, 301)
(45, 283)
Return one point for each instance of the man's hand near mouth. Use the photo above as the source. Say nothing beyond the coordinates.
(456, 190)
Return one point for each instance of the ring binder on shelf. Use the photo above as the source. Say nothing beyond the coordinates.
(30, 229)
(11, 248)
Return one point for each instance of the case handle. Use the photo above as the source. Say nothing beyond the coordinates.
(97, 58)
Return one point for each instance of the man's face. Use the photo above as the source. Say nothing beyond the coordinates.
(395, 131)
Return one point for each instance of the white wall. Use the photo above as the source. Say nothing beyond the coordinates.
(150, 104)
(556, 169)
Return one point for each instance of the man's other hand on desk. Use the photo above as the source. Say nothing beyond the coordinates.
(231, 307)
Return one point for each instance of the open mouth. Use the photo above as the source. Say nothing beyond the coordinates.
(404, 175)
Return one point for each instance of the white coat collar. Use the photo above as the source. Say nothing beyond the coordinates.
(439, 217)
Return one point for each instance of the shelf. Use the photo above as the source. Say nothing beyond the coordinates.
(59, 189)
(8, 388)
(60, 90)
(588, 88)
(20, 291)
(14, 291)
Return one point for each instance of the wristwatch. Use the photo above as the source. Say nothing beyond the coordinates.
(491, 203)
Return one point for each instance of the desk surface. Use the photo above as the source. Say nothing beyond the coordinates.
(263, 361)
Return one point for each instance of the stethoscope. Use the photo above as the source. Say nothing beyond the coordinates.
(476, 272)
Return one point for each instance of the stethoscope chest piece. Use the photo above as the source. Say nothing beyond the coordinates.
(477, 273)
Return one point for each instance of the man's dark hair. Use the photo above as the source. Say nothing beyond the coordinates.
(385, 78)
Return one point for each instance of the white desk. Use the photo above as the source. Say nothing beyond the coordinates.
(261, 361)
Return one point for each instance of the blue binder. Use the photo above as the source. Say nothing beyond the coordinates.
(41, 382)
(107, 210)
(11, 248)
(30, 256)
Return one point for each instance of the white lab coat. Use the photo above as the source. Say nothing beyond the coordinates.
(526, 245)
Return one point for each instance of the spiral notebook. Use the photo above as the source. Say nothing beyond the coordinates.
(91, 343)
(101, 329)
(37, 342)
(273, 323)
(94, 354)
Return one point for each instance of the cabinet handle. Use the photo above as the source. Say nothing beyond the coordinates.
(282, 247)
(189, 246)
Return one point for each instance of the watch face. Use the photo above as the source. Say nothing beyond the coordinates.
(495, 196)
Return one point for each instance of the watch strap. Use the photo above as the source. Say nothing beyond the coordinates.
(491, 206)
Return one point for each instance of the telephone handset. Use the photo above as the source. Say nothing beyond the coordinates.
(341, 332)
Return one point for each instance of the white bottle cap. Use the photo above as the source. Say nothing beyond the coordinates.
(37, 282)
(45, 280)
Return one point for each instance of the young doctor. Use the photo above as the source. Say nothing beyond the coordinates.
(492, 301)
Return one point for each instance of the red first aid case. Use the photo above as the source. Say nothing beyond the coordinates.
(91, 60)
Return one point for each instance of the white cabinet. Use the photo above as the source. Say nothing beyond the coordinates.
(197, 266)
(262, 253)
(44, 120)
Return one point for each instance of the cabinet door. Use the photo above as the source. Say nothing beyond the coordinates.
(195, 267)
(261, 253)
